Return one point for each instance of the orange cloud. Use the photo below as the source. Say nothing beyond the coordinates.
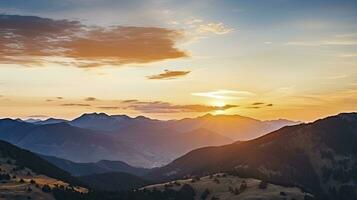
(168, 75)
(31, 40)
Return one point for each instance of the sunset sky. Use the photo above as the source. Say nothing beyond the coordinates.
(294, 59)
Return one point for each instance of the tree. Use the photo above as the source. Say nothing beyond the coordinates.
(243, 186)
(205, 194)
(263, 185)
(187, 192)
(5, 177)
(282, 193)
(236, 191)
(46, 188)
(230, 189)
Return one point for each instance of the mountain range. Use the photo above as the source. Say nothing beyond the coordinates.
(320, 157)
(139, 141)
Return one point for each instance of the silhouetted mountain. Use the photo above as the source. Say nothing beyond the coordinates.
(31, 120)
(23, 158)
(233, 126)
(113, 181)
(101, 121)
(51, 121)
(142, 145)
(14, 131)
(65, 141)
(138, 141)
(103, 166)
(319, 156)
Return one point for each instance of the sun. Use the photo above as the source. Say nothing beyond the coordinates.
(219, 104)
(219, 107)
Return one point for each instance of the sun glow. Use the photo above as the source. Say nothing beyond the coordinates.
(219, 104)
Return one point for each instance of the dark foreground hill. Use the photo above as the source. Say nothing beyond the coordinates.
(27, 159)
(320, 157)
(24, 175)
(113, 181)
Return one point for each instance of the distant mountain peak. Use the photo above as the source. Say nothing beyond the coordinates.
(94, 115)
(141, 117)
(348, 116)
(32, 120)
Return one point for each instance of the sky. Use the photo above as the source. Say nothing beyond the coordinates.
(166, 59)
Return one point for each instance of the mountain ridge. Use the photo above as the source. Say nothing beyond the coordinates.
(314, 156)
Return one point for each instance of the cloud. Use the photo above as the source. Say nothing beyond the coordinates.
(109, 107)
(215, 28)
(90, 99)
(334, 77)
(129, 101)
(337, 40)
(165, 107)
(168, 75)
(324, 43)
(257, 103)
(224, 94)
(32, 40)
(253, 107)
(348, 55)
(75, 104)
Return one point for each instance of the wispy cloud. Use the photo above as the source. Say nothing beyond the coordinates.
(257, 103)
(224, 94)
(33, 40)
(168, 75)
(324, 43)
(215, 28)
(334, 77)
(108, 107)
(76, 104)
(348, 55)
(90, 99)
(165, 107)
(253, 107)
(336, 40)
